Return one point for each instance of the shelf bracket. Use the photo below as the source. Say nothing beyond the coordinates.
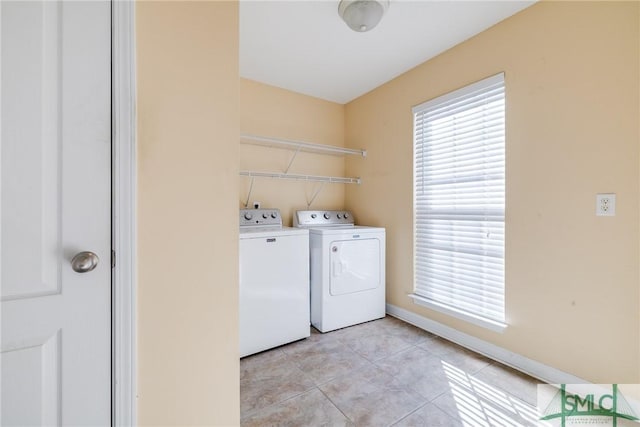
(292, 159)
(315, 194)
(246, 204)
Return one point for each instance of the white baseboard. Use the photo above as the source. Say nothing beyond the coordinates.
(530, 367)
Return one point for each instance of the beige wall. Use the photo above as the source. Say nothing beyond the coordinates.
(572, 106)
(188, 126)
(273, 112)
(572, 96)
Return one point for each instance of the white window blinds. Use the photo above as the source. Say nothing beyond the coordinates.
(459, 143)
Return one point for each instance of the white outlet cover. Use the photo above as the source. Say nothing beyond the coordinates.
(606, 204)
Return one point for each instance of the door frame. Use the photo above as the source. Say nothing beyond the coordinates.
(123, 225)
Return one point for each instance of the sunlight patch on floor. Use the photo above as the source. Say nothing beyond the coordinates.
(482, 405)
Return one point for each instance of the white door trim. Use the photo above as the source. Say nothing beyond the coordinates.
(123, 214)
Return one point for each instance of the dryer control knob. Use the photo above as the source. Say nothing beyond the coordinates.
(313, 216)
(346, 215)
(273, 215)
(265, 216)
(248, 216)
(339, 216)
(326, 215)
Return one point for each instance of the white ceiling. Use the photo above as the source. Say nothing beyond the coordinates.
(304, 45)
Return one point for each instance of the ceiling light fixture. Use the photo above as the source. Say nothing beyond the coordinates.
(362, 15)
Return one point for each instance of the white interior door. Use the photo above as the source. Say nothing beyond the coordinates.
(55, 202)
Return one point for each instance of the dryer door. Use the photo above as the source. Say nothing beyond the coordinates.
(355, 266)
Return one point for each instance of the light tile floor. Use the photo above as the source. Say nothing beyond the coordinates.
(382, 373)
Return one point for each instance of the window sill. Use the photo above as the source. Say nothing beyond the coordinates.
(458, 314)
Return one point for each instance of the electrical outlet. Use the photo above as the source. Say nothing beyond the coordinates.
(256, 205)
(606, 204)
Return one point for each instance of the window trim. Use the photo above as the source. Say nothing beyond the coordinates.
(493, 325)
(468, 316)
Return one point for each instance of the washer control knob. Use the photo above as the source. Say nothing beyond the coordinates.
(265, 216)
(248, 216)
(273, 215)
(339, 216)
(326, 215)
(346, 215)
(314, 216)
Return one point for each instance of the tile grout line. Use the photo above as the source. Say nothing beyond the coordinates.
(286, 356)
(405, 388)
(409, 414)
(336, 406)
(257, 411)
(351, 343)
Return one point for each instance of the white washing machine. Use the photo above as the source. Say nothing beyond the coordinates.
(274, 281)
(347, 269)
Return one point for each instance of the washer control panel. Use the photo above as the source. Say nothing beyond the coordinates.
(322, 218)
(260, 217)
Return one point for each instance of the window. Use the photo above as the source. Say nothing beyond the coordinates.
(459, 175)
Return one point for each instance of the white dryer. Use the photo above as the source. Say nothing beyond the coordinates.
(347, 266)
(274, 281)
